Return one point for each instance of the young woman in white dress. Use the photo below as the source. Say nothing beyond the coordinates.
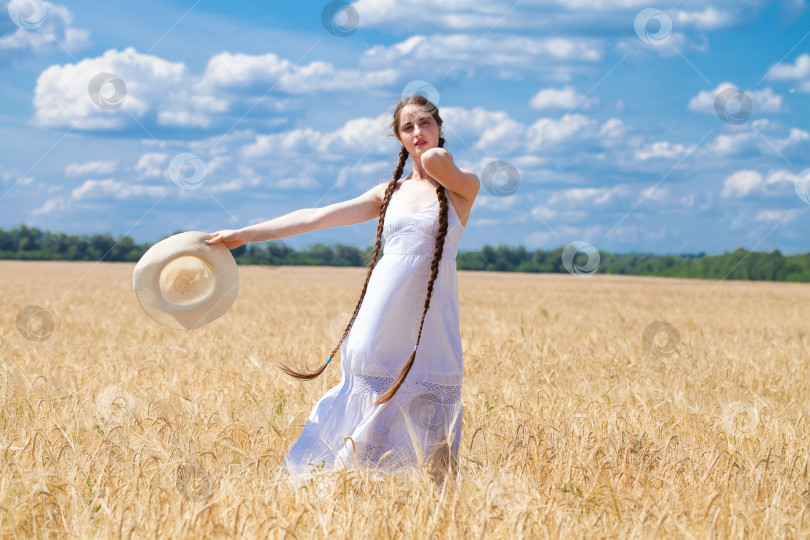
(393, 407)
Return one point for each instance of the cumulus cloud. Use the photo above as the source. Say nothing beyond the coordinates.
(56, 203)
(597, 196)
(356, 136)
(760, 138)
(555, 15)
(710, 18)
(365, 175)
(744, 182)
(91, 168)
(763, 101)
(14, 177)
(571, 127)
(166, 93)
(114, 189)
(509, 56)
(227, 70)
(560, 98)
(62, 94)
(662, 149)
(495, 132)
(798, 71)
(150, 164)
(655, 193)
(772, 215)
(55, 32)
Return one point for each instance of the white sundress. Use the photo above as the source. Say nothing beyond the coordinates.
(344, 429)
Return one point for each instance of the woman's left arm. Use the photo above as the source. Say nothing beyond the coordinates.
(439, 164)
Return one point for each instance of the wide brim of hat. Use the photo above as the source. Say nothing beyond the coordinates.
(146, 281)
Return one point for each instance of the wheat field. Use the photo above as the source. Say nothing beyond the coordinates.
(575, 424)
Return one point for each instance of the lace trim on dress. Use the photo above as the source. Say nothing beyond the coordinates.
(437, 393)
(424, 221)
(321, 457)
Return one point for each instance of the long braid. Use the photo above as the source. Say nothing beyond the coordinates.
(403, 158)
(434, 269)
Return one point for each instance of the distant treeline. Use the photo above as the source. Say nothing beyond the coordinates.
(30, 243)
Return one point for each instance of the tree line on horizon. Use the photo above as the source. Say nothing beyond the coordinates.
(30, 243)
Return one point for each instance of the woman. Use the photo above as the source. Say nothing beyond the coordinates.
(399, 399)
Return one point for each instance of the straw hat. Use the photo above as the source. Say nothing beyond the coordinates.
(182, 282)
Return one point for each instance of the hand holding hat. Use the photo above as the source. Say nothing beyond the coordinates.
(232, 239)
(184, 282)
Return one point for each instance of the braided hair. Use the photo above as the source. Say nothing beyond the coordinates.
(424, 104)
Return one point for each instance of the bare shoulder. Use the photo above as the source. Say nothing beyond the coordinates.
(379, 191)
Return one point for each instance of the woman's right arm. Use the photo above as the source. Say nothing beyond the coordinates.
(360, 209)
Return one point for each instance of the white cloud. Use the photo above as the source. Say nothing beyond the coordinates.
(661, 149)
(297, 182)
(61, 96)
(246, 178)
(166, 93)
(12, 176)
(549, 131)
(91, 168)
(775, 177)
(654, 193)
(492, 202)
(450, 13)
(511, 56)
(769, 215)
(543, 212)
(150, 164)
(110, 188)
(613, 133)
(698, 200)
(762, 101)
(708, 19)
(55, 32)
(49, 206)
(799, 71)
(495, 132)
(598, 196)
(356, 137)
(741, 183)
(226, 70)
(278, 143)
(676, 43)
(562, 98)
(366, 175)
(759, 138)
(551, 15)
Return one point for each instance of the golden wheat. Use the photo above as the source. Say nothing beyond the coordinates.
(115, 426)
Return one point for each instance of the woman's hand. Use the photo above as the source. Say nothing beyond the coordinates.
(231, 238)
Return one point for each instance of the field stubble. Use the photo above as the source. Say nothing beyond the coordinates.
(117, 426)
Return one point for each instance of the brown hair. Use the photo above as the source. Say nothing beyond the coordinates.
(426, 105)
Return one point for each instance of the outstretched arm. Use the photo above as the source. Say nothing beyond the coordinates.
(439, 164)
(357, 210)
(297, 222)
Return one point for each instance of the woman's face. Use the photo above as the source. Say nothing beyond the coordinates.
(418, 130)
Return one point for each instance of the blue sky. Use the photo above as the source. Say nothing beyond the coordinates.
(607, 113)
